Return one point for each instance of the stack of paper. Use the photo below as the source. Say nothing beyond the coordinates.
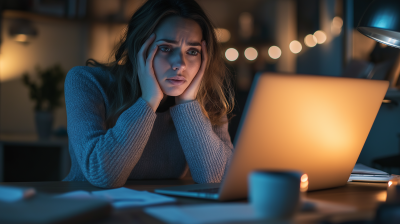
(368, 174)
(122, 197)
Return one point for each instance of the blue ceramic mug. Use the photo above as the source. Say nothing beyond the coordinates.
(274, 194)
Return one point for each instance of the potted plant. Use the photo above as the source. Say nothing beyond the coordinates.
(46, 91)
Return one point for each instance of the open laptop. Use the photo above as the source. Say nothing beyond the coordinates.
(315, 124)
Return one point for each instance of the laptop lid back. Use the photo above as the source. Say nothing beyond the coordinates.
(314, 124)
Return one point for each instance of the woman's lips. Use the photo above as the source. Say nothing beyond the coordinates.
(176, 82)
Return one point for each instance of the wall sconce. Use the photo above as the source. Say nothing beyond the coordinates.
(22, 30)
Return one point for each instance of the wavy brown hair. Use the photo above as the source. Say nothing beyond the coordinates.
(215, 94)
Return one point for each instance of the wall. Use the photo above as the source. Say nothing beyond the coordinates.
(384, 137)
(326, 58)
(286, 32)
(103, 38)
(58, 41)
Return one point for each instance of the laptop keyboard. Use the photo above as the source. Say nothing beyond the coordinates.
(208, 190)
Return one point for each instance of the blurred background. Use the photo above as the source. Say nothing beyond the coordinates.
(42, 39)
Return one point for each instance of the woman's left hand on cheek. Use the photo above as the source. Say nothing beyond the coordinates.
(191, 91)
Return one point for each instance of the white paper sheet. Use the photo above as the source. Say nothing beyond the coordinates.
(369, 178)
(362, 169)
(122, 197)
(125, 197)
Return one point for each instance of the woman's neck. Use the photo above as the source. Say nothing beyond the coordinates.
(166, 103)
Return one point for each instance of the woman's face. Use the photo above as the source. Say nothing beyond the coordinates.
(178, 57)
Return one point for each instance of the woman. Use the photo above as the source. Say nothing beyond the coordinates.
(156, 111)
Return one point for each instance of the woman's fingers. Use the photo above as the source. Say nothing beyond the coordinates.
(151, 91)
(204, 57)
(150, 58)
(142, 52)
(191, 92)
(204, 61)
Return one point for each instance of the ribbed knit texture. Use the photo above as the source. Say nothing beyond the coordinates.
(142, 144)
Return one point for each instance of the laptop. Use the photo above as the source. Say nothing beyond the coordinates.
(314, 124)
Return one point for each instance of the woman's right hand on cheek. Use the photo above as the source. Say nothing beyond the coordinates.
(151, 91)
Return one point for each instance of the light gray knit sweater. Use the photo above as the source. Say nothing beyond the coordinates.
(142, 144)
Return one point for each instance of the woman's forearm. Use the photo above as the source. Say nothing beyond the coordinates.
(106, 157)
(207, 149)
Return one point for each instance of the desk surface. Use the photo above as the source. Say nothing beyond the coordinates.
(355, 200)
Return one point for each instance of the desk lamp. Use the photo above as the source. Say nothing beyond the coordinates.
(381, 22)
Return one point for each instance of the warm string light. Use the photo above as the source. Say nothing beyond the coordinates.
(250, 53)
(223, 35)
(311, 40)
(321, 36)
(336, 25)
(337, 22)
(295, 46)
(231, 54)
(274, 52)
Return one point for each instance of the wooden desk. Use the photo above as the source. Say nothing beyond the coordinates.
(355, 200)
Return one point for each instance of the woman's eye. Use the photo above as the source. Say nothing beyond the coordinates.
(165, 49)
(193, 52)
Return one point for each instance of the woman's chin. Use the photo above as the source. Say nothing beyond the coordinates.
(173, 92)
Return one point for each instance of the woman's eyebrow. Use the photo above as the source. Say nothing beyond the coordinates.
(175, 42)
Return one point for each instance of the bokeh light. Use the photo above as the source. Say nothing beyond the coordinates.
(223, 35)
(382, 196)
(321, 36)
(274, 52)
(231, 54)
(21, 38)
(337, 22)
(250, 53)
(304, 178)
(304, 183)
(310, 40)
(295, 46)
(336, 26)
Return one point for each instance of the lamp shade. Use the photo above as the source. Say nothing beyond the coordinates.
(381, 22)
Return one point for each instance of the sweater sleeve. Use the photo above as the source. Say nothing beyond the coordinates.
(207, 148)
(106, 157)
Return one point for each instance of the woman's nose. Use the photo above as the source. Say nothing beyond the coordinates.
(178, 63)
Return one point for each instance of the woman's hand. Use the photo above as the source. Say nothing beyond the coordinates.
(151, 91)
(191, 91)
